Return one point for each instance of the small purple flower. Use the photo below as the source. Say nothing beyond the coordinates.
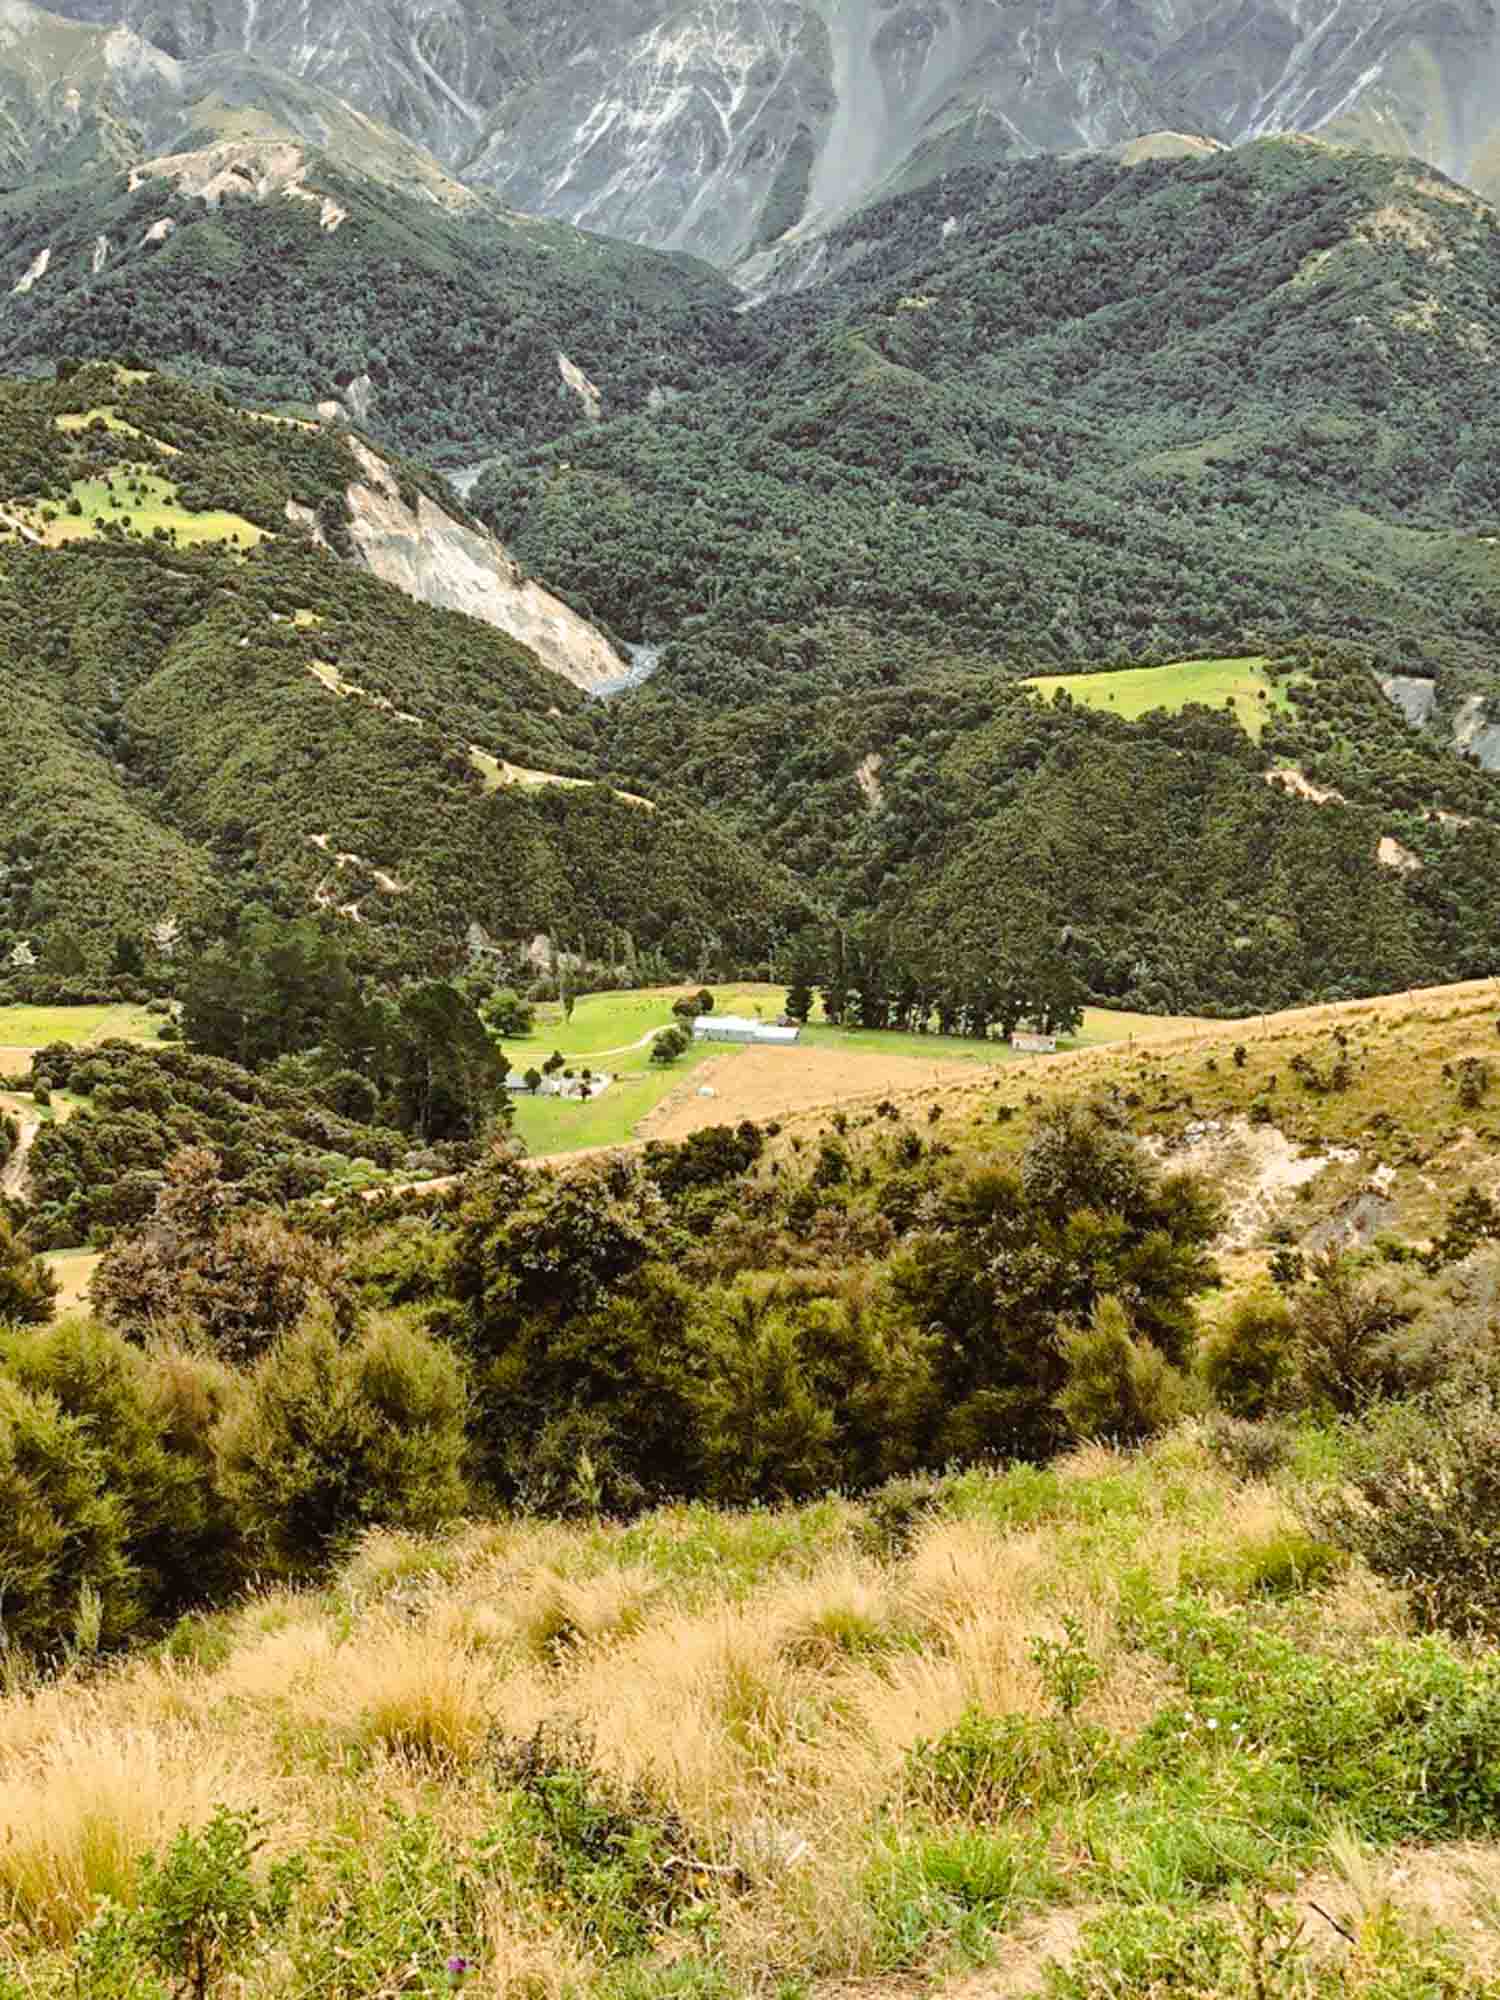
(459, 1969)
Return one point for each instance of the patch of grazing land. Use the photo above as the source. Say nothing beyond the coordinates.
(829, 1067)
(1132, 692)
(23, 1029)
(138, 500)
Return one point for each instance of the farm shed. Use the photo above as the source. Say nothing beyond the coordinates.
(736, 1028)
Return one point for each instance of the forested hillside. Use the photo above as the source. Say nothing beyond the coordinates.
(1070, 412)
(207, 709)
(956, 826)
(287, 277)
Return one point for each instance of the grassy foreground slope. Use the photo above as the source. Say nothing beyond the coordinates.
(1093, 1714)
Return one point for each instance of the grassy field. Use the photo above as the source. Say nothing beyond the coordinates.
(34, 1027)
(140, 499)
(1134, 691)
(1120, 1715)
(1101, 1025)
(607, 1028)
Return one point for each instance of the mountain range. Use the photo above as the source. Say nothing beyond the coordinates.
(336, 490)
(719, 127)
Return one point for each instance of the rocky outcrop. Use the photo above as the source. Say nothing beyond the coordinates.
(425, 552)
(1414, 695)
(718, 126)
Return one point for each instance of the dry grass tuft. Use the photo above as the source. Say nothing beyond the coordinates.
(78, 1815)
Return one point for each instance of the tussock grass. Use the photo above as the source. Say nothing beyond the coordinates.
(731, 1706)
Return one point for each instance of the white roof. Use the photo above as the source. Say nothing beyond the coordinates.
(763, 1031)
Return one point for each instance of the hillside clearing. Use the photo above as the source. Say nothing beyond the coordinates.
(498, 772)
(138, 500)
(1131, 692)
(23, 1029)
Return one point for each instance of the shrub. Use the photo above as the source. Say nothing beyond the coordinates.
(199, 1910)
(613, 1856)
(1251, 1450)
(1420, 1504)
(1246, 1362)
(148, 1420)
(1117, 1387)
(1344, 1351)
(237, 1280)
(331, 1439)
(987, 1766)
(62, 1532)
(28, 1288)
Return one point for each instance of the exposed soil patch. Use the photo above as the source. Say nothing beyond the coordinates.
(1257, 1168)
(775, 1083)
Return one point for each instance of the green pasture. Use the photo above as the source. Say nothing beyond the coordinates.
(141, 500)
(1132, 692)
(557, 1125)
(603, 1021)
(35, 1027)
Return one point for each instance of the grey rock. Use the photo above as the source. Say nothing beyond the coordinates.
(724, 126)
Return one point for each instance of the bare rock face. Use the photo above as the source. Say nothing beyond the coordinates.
(721, 126)
(429, 555)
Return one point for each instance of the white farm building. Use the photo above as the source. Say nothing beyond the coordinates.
(736, 1028)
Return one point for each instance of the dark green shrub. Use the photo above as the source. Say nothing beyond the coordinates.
(28, 1288)
(1246, 1362)
(62, 1532)
(330, 1439)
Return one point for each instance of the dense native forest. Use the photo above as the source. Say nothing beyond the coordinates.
(1071, 412)
(177, 750)
(453, 319)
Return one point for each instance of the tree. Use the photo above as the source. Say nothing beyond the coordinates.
(128, 961)
(451, 1078)
(506, 1014)
(669, 1045)
(28, 1286)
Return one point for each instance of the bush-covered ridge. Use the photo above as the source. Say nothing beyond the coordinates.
(1069, 413)
(170, 729)
(454, 319)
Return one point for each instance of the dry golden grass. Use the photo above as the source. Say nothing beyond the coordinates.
(80, 1809)
(768, 1696)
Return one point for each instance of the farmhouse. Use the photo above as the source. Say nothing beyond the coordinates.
(736, 1028)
